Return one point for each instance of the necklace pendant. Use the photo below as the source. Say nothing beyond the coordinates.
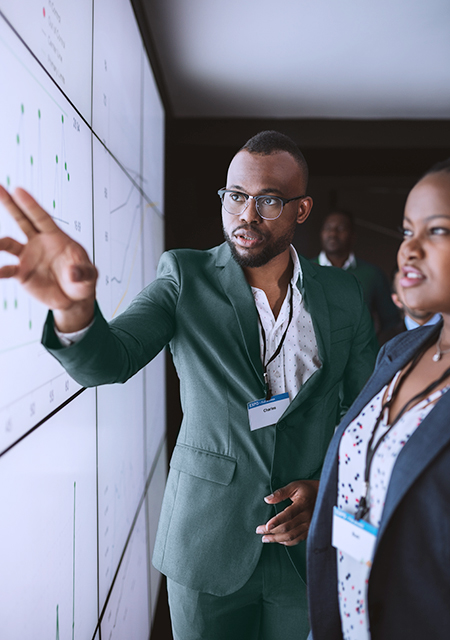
(436, 357)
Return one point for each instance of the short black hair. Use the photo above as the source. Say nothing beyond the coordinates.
(267, 142)
(342, 212)
(443, 165)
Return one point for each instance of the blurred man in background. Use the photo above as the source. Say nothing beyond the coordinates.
(337, 238)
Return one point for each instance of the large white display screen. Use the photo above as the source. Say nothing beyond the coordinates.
(46, 148)
(59, 32)
(48, 537)
(82, 129)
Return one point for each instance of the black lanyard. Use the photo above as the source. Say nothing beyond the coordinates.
(280, 346)
(363, 507)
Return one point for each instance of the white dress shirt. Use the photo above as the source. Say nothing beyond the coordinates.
(324, 262)
(299, 356)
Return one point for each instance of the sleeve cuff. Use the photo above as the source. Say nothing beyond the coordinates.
(67, 339)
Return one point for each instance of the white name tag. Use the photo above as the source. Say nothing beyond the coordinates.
(263, 413)
(355, 537)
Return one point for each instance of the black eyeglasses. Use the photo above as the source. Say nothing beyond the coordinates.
(268, 207)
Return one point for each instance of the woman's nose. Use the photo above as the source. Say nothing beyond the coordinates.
(411, 247)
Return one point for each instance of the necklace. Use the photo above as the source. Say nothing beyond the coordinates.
(439, 352)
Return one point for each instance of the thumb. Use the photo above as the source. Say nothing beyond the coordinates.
(278, 496)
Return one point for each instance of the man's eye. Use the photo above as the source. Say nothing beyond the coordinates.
(237, 197)
(269, 202)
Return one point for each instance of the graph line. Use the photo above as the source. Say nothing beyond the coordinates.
(121, 206)
(31, 74)
(132, 267)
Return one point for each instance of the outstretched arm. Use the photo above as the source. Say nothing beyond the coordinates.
(52, 267)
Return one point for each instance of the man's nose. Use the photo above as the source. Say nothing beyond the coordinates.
(250, 213)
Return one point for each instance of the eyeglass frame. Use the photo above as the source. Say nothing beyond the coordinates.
(248, 197)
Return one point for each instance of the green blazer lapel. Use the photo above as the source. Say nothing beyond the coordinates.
(315, 302)
(240, 295)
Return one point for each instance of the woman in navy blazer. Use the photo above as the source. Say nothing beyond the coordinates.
(403, 421)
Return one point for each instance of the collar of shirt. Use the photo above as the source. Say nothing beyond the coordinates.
(262, 304)
(412, 324)
(298, 358)
(350, 262)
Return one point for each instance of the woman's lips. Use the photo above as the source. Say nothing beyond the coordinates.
(411, 277)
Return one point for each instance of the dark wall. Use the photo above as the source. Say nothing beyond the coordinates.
(367, 167)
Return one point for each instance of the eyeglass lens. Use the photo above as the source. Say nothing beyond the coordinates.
(268, 207)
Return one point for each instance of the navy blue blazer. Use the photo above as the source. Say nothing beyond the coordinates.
(409, 585)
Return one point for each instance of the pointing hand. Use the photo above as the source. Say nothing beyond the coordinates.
(52, 267)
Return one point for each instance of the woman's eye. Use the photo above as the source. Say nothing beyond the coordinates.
(439, 231)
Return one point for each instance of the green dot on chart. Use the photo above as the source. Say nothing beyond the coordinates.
(30, 324)
(22, 108)
(8, 180)
(18, 139)
(68, 176)
(56, 159)
(65, 166)
(39, 113)
(62, 119)
(54, 204)
(5, 304)
(31, 159)
(15, 303)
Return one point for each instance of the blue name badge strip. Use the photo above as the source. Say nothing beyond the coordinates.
(263, 413)
(357, 538)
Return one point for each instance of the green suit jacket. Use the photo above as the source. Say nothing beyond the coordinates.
(202, 306)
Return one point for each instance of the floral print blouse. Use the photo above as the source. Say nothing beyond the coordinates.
(353, 576)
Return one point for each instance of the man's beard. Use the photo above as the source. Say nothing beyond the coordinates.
(270, 251)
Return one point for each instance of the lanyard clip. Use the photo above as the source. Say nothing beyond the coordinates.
(266, 382)
(363, 507)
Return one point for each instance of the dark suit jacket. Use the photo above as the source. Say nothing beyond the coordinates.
(377, 294)
(202, 306)
(409, 585)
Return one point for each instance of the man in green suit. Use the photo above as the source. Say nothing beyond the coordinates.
(270, 351)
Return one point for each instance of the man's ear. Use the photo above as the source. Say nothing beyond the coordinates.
(304, 209)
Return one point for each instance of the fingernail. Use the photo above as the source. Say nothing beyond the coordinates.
(260, 529)
(265, 539)
(268, 497)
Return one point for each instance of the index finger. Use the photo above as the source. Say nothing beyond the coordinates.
(15, 212)
(291, 513)
(24, 209)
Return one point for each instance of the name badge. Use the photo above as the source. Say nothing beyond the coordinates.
(263, 413)
(355, 537)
